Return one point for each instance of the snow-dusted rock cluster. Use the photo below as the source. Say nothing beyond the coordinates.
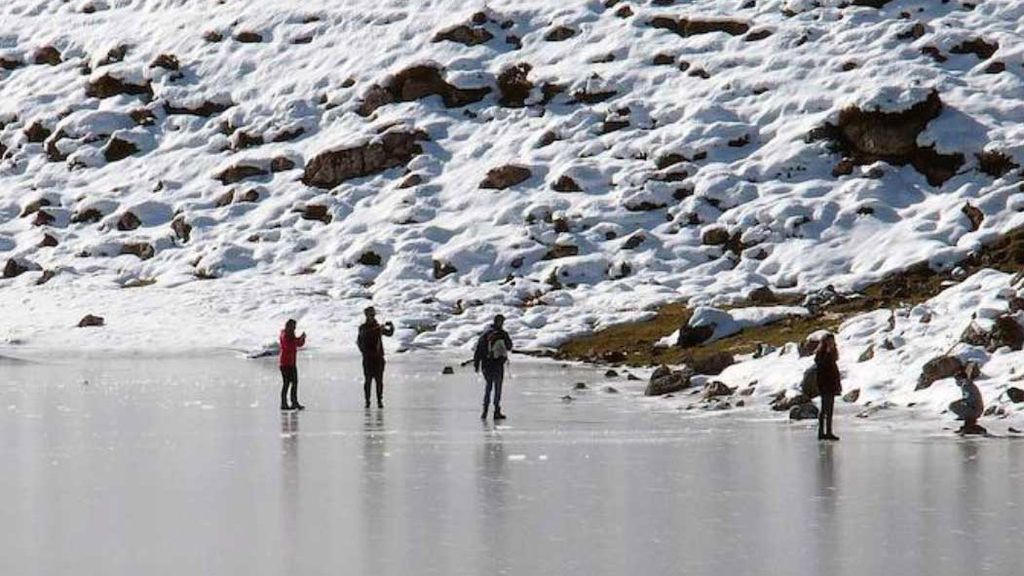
(196, 172)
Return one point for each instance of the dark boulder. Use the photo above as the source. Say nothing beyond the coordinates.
(691, 336)
(118, 149)
(46, 55)
(809, 382)
(938, 368)
(317, 212)
(370, 258)
(693, 27)
(182, 229)
(128, 221)
(108, 86)
(143, 250)
(807, 411)
(713, 364)
(463, 34)
(442, 269)
(664, 380)
(559, 34)
(852, 396)
(240, 172)
(715, 389)
(566, 184)
(514, 85)
(389, 150)
(91, 321)
(869, 136)
(506, 176)
(974, 215)
(1016, 395)
(416, 83)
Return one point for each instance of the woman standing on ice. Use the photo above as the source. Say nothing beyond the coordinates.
(290, 344)
(371, 346)
(826, 362)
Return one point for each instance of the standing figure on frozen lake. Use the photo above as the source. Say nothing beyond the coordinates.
(826, 361)
(491, 355)
(290, 344)
(371, 345)
(970, 406)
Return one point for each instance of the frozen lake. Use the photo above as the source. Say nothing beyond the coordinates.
(185, 466)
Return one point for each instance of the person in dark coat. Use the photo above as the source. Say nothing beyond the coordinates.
(491, 354)
(289, 345)
(371, 346)
(970, 406)
(826, 363)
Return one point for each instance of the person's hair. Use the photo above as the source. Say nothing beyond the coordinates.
(828, 344)
(369, 310)
(499, 318)
(290, 324)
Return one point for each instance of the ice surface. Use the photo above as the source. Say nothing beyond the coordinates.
(183, 465)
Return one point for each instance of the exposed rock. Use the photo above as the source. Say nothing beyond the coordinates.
(1016, 395)
(691, 336)
(448, 370)
(757, 35)
(143, 250)
(249, 37)
(713, 364)
(167, 62)
(806, 411)
(762, 295)
(87, 216)
(995, 163)
(867, 354)
(240, 172)
(611, 374)
(46, 55)
(213, 36)
(869, 136)
(15, 268)
(182, 229)
(91, 321)
(389, 150)
(974, 215)
(316, 212)
(852, 396)
(37, 133)
(663, 60)
(416, 83)
(687, 27)
(715, 389)
(107, 86)
(48, 241)
(715, 236)
(977, 46)
(206, 109)
(1006, 332)
(242, 140)
(442, 269)
(464, 34)
(514, 85)
(780, 403)
(118, 149)
(561, 251)
(559, 34)
(938, 368)
(664, 380)
(370, 258)
(7, 63)
(624, 12)
(281, 164)
(43, 218)
(128, 221)
(809, 382)
(506, 176)
(114, 55)
(585, 96)
(566, 184)
(634, 241)
(609, 390)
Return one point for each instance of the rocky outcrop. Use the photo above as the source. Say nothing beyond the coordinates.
(142, 250)
(559, 34)
(16, 267)
(506, 176)
(205, 108)
(108, 86)
(442, 269)
(806, 411)
(182, 229)
(693, 27)
(416, 83)
(389, 150)
(239, 172)
(128, 221)
(664, 380)
(91, 321)
(977, 46)
(712, 364)
(937, 369)
(465, 35)
(974, 215)
(1005, 332)
(691, 336)
(514, 85)
(868, 136)
(317, 212)
(47, 55)
(118, 149)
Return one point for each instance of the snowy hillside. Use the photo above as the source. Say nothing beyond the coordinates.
(197, 171)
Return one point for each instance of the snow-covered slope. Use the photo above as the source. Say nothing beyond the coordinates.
(196, 171)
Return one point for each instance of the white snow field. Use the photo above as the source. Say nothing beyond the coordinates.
(196, 172)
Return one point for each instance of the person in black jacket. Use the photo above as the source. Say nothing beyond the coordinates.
(491, 354)
(826, 361)
(371, 346)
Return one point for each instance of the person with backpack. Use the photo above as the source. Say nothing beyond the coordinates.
(289, 345)
(826, 363)
(491, 354)
(371, 346)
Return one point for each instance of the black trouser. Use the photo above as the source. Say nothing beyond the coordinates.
(494, 376)
(373, 369)
(290, 379)
(828, 404)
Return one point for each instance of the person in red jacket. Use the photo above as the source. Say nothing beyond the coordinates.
(290, 344)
